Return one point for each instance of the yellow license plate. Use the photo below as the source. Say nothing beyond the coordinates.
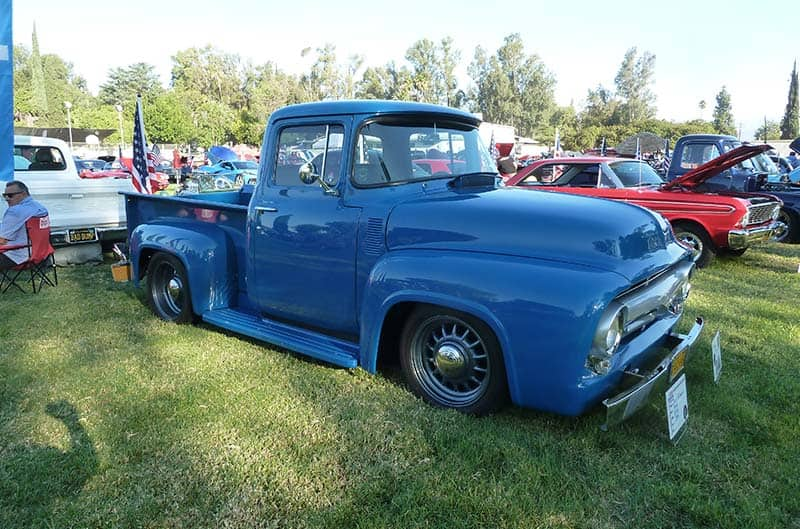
(677, 364)
(82, 235)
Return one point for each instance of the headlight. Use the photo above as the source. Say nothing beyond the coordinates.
(776, 211)
(606, 340)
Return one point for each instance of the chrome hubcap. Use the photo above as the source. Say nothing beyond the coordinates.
(450, 361)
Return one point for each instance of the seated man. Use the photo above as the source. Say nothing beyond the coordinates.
(21, 207)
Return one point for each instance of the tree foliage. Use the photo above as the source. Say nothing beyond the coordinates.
(790, 125)
(633, 80)
(124, 84)
(723, 113)
(770, 130)
(512, 87)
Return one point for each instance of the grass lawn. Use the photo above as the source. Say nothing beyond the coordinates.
(112, 418)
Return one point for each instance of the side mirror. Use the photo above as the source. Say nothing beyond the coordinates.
(307, 173)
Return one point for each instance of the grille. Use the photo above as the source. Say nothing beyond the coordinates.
(760, 213)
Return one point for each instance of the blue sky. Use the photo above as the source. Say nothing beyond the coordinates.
(699, 45)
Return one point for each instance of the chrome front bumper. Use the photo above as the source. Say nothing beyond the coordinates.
(621, 406)
(740, 239)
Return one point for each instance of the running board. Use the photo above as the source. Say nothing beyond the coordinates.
(316, 345)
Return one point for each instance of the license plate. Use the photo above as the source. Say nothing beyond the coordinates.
(677, 364)
(82, 235)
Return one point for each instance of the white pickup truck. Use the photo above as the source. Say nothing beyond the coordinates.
(82, 210)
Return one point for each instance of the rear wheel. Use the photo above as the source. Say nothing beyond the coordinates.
(697, 240)
(453, 360)
(168, 289)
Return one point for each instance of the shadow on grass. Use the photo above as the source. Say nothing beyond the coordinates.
(35, 476)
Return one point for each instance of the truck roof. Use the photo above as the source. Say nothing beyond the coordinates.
(707, 137)
(371, 106)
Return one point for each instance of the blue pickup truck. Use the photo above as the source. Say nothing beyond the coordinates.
(694, 150)
(482, 293)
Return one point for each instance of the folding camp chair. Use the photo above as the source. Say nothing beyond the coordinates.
(41, 258)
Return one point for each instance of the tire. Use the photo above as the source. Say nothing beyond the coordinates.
(168, 289)
(453, 360)
(792, 232)
(697, 239)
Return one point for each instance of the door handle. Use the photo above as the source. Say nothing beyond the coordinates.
(76, 196)
(266, 209)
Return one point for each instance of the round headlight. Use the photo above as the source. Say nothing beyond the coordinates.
(613, 337)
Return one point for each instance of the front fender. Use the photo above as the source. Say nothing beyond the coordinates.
(543, 313)
(206, 252)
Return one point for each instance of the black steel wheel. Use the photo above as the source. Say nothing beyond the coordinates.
(168, 289)
(453, 360)
(698, 240)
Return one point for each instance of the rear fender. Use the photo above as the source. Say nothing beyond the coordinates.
(206, 253)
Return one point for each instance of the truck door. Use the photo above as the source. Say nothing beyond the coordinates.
(303, 237)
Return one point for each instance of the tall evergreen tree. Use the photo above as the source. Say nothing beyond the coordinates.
(723, 113)
(39, 92)
(790, 125)
(633, 82)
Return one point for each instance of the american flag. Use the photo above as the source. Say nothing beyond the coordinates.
(493, 150)
(665, 163)
(143, 159)
(603, 147)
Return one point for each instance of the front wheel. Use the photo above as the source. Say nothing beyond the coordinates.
(168, 289)
(790, 233)
(698, 241)
(453, 360)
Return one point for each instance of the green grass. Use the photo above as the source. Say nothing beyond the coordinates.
(112, 418)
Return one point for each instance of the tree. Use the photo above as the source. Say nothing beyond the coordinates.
(386, 82)
(39, 105)
(323, 82)
(723, 114)
(633, 82)
(448, 60)
(769, 131)
(790, 125)
(124, 84)
(702, 106)
(513, 88)
(601, 107)
(210, 72)
(426, 77)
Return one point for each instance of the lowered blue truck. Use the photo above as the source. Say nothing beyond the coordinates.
(694, 150)
(482, 293)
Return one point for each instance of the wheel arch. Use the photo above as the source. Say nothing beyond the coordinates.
(205, 254)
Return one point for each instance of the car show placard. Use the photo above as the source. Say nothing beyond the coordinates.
(716, 357)
(677, 408)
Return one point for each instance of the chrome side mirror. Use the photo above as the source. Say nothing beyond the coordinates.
(307, 173)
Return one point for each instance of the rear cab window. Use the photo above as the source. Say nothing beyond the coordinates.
(38, 158)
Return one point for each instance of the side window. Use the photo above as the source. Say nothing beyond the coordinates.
(29, 158)
(314, 147)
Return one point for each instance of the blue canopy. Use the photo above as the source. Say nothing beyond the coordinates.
(219, 153)
(6, 93)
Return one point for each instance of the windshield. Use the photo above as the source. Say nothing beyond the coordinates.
(245, 165)
(391, 152)
(635, 173)
(764, 164)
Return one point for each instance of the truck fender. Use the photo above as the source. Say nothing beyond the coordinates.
(470, 283)
(204, 250)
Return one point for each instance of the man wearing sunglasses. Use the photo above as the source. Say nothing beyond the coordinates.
(21, 207)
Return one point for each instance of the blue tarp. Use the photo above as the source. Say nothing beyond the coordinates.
(6, 93)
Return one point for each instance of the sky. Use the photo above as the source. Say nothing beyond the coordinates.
(700, 45)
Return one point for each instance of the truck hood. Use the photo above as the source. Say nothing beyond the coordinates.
(596, 233)
(714, 167)
(795, 145)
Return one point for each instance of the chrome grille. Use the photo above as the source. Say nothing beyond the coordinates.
(760, 213)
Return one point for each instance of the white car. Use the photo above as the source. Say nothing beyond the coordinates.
(81, 210)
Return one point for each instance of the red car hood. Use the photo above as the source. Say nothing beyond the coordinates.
(698, 175)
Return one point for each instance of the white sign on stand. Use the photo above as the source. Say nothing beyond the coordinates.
(677, 408)
(716, 357)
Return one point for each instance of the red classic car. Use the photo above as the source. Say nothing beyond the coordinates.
(707, 222)
(158, 181)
